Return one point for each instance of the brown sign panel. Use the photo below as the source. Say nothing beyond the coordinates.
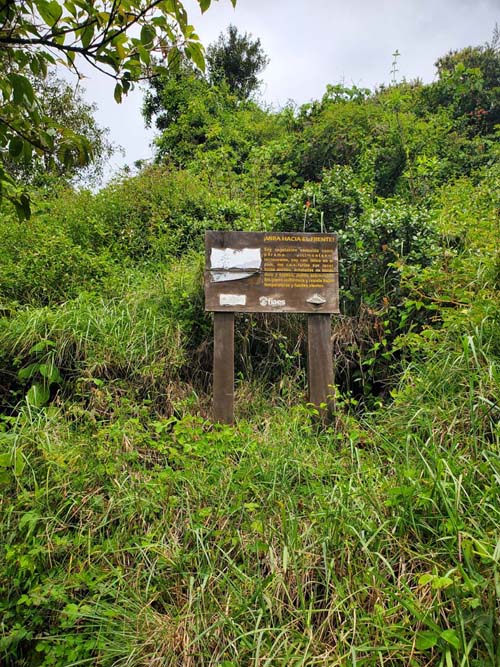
(262, 272)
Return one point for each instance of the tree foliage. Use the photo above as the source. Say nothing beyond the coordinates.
(197, 112)
(196, 117)
(65, 106)
(168, 94)
(116, 38)
(238, 60)
(469, 84)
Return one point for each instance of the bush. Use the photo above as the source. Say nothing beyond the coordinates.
(375, 238)
(44, 264)
(154, 216)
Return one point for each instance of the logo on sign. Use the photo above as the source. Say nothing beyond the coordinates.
(268, 301)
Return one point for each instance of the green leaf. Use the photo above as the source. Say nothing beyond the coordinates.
(483, 550)
(204, 5)
(21, 88)
(441, 582)
(196, 55)
(28, 371)
(70, 7)
(118, 93)
(42, 346)
(50, 12)
(86, 35)
(22, 206)
(174, 58)
(19, 462)
(38, 395)
(46, 140)
(5, 460)
(13, 459)
(119, 43)
(59, 39)
(148, 35)
(425, 640)
(168, 6)
(15, 147)
(50, 372)
(451, 637)
(159, 21)
(144, 54)
(35, 66)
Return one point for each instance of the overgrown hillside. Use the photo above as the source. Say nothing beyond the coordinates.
(134, 531)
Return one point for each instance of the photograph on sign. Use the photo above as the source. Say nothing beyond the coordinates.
(286, 272)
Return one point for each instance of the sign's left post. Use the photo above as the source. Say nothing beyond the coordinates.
(223, 368)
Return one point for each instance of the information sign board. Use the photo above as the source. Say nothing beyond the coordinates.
(262, 272)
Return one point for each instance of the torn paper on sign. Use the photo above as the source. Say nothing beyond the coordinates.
(231, 258)
(232, 299)
(225, 276)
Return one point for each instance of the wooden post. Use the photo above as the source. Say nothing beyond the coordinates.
(320, 363)
(223, 407)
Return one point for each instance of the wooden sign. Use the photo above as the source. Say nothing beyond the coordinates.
(262, 272)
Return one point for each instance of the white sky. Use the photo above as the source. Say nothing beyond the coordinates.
(311, 43)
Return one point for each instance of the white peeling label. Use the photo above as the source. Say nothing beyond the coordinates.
(232, 299)
(227, 276)
(231, 258)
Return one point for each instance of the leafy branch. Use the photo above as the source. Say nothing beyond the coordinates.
(37, 34)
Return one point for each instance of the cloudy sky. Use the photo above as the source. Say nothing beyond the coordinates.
(311, 43)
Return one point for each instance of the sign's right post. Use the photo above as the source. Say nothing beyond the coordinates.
(320, 364)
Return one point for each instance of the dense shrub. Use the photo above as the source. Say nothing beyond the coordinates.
(43, 262)
(156, 215)
(376, 238)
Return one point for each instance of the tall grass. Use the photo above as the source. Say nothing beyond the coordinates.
(179, 543)
(133, 338)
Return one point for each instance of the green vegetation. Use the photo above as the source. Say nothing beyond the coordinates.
(236, 60)
(115, 38)
(136, 532)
